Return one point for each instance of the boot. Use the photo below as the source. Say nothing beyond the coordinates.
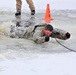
(32, 12)
(18, 13)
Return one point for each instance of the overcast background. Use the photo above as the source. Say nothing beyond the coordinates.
(41, 4)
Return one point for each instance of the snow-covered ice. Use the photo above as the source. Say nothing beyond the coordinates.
(24, 57)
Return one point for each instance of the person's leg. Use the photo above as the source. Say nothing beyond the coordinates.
(31, 6)
(18, 7)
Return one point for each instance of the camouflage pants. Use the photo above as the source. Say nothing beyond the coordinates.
(19, 4)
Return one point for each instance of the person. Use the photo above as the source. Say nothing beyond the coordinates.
(40, 33)
(19, 4)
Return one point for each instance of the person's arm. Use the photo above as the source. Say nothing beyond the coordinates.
(38, 38)
(60, 34)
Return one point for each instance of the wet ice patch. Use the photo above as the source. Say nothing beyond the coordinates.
(5, 27)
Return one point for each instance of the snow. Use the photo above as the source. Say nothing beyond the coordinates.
(19, 57)
(23, 57)
(41, 64)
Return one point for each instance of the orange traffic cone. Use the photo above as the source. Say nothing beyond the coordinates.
(48, 17)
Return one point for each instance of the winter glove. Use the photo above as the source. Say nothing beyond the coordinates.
(47, 38)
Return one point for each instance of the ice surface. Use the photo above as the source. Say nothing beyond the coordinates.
(24, 57)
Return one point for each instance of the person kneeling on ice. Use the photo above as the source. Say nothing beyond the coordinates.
(38, 33)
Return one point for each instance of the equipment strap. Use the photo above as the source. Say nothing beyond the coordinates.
(37, 26)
